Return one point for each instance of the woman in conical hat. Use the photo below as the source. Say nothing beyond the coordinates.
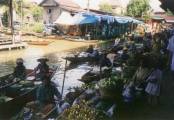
(42, 60)
(42, 69)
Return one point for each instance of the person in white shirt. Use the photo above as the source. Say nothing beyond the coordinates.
(170, 48)
(153, 86)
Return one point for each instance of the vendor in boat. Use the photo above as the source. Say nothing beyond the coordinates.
(90, 49)
(47, 91)
(45, 97)
(95, 54)
(104, 61)
(124, 55)
(42, 69)
(20, 70)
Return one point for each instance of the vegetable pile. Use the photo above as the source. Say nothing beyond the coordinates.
(82, 112)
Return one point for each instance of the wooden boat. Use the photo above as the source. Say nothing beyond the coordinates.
(94, 76)
(78, 60)
(48, 112)
(18, 94)
(7, 80)
(43, 43)
(12, 106)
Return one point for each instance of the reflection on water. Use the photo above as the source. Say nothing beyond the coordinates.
(72, 77)
(30, 56)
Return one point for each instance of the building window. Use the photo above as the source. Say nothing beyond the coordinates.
(49, 11)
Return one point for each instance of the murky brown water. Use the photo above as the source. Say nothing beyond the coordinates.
(55, 55)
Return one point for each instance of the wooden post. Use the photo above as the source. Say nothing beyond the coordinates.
(64, 76)
(11, 19)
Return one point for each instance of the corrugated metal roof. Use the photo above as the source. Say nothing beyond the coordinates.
(64, 3)
(68, 3)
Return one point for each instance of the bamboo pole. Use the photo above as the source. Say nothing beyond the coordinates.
(64, 76)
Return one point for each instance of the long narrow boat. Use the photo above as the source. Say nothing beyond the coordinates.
(48, 113)
(17, 95)
(94, 76)
(53, 112)
(7, 80)
(13, 104)
(78, 60)
(43, 43)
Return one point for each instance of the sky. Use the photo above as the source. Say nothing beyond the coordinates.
(94, 4)
(38, 1)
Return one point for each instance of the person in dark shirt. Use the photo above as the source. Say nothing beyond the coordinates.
(124, 56)
(90, 49)
(46, 96)
(47, 91)
(105, 62)
(20, 70)
(42, 69)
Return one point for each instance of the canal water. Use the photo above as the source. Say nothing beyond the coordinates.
(32, 53)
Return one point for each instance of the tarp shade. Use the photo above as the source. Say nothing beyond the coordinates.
(84, 19)
(92, 18)
(65, 19)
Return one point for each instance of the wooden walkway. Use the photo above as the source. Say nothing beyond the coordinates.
(13, 46)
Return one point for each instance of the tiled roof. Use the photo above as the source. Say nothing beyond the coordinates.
(64, 3)
(67, 3)
(74, 9)
(169, 19)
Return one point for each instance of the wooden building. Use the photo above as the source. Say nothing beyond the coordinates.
(54, 8)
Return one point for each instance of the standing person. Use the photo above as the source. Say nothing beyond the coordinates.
(20, 70)
(153, 86)
(170, 48)
(42, 69)
(147, 42)
(45, 97)
(105, 62)
(156, 43)
(46, 92)
(124, 55)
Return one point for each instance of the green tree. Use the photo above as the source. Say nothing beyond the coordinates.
(5, 16)
(21, 7)
(138, 8)
(8, 3)
(106, 8)
(4, 2)
(37, 12)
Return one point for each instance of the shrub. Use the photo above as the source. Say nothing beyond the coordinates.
(34, 27)
(82, 112)
(38, 27)
(111, 88)
(114, 82)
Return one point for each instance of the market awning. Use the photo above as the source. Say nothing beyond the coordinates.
(169, 19)
(159, 18)
(65, 19)
(84, 19)
(121, 20)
